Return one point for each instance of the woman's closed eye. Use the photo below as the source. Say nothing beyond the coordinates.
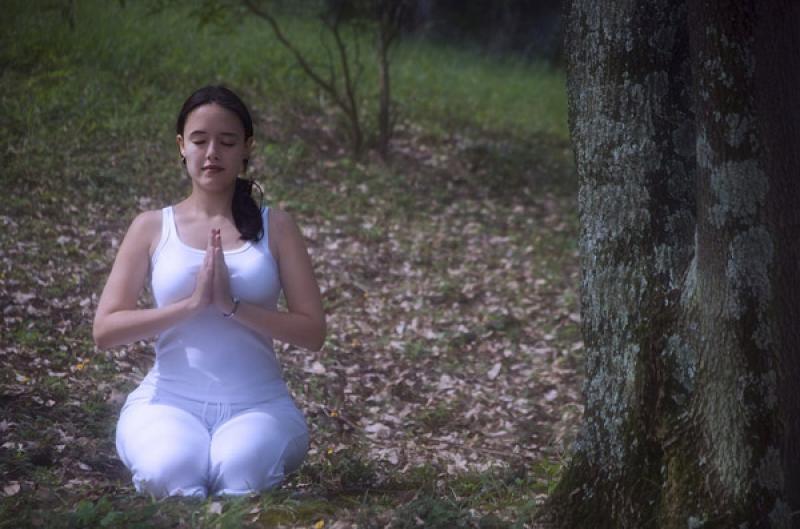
(221, 143)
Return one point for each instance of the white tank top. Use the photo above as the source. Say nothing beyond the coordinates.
(208, 357)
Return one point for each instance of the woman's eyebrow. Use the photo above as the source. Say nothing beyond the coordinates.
(202, 132)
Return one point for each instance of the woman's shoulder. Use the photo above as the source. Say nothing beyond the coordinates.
(281, 222)
(277, 216)
(282, 229)
(147, 221)
(145, 229)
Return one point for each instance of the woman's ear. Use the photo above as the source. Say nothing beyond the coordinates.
(179, 141)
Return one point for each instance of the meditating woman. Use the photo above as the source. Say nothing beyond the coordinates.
(213, 416)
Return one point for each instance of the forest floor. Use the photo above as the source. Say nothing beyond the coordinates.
(448, 389)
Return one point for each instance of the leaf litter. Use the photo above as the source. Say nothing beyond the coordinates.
(452, 315)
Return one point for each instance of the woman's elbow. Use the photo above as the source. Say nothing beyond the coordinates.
(99, 340)
(319, 339)
(99, 336)
(317, 344)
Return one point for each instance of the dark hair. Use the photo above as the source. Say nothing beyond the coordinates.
(246, 211)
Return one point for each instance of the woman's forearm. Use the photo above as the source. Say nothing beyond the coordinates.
(127, 326)
(291, 327)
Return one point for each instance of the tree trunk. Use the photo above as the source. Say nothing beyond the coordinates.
(685, 124)
(384, 97)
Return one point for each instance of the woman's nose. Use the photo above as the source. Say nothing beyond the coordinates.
(211, 153)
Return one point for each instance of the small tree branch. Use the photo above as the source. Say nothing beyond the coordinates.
(348, 85)
(329, 53)
(330, 88)
(358, 64)
(344, 62)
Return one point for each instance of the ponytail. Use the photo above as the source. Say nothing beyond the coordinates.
(246, 211)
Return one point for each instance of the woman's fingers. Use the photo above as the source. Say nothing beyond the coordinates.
(220, 256)
(211, 249)
(203, 294)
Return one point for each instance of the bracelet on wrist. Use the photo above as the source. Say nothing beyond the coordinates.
(233, 310)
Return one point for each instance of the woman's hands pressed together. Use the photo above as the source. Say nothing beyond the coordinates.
(213, 282)
(222, 283)
(119, 321)
(204, 288)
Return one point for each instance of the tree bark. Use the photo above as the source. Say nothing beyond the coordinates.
(685, 125)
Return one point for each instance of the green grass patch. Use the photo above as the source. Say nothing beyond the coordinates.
(446, 87)
(123, 72)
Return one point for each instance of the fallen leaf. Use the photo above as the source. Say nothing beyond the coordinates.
(11, 489)
(316, 368)
(445, 382)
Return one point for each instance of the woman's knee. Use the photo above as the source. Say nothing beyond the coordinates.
(165, 449)
(245, 467)
(171, 471)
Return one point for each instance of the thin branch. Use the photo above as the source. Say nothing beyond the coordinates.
(345, 67)
(359, 65)
(329, 53)
(307, 68)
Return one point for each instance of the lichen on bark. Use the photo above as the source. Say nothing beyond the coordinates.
(679, 257)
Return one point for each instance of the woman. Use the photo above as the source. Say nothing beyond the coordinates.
(213, 415)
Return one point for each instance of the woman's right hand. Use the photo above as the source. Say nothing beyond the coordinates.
(204, 288)
(118, 320)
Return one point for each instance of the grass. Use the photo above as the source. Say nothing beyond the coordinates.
(123, 70)
(449, 88)
(86, 119)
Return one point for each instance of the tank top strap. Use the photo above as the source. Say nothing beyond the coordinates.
(167, 224)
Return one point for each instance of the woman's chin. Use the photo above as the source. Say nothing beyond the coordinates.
(215, 182)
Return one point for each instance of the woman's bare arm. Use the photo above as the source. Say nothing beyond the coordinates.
(117, 320)
(304, 323)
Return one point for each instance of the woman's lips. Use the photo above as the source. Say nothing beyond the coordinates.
(212, 168)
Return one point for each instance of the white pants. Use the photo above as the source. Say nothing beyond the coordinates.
(181, 447)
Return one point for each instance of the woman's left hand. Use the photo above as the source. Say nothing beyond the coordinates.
(222, 284)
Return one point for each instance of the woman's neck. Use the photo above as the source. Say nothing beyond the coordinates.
(208, 205)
